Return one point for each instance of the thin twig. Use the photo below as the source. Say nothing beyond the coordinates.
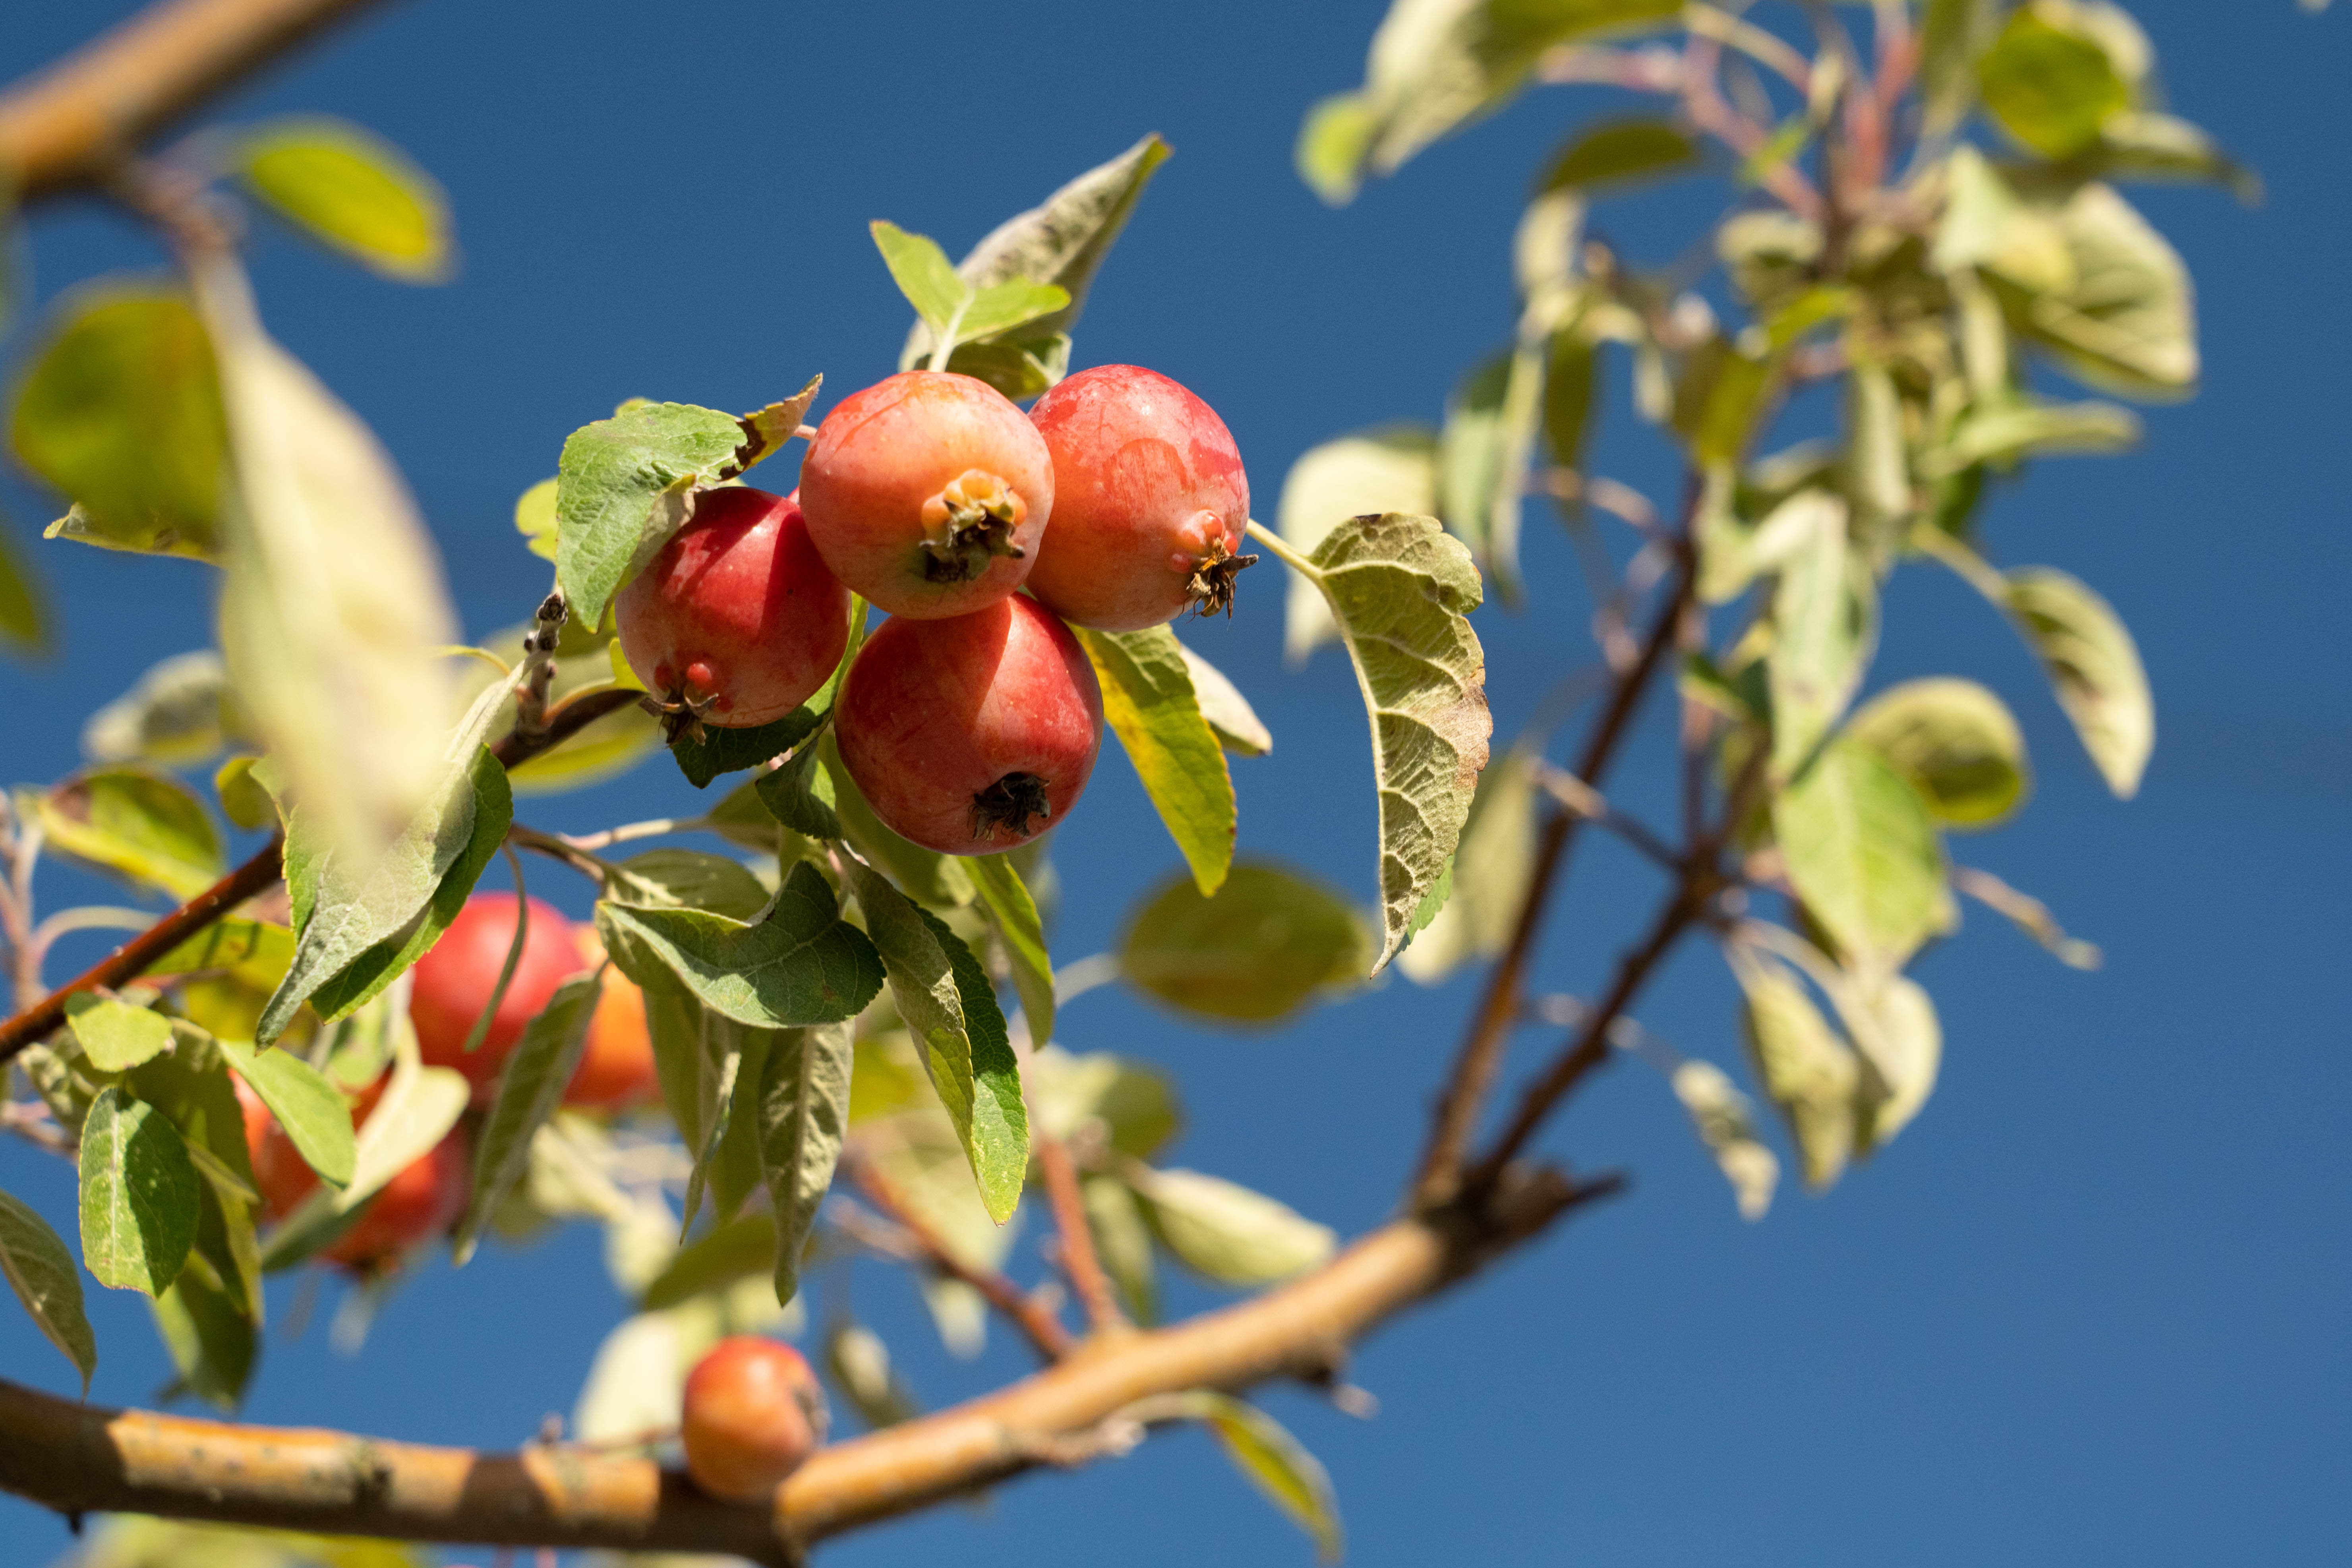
(1079, 1258)
(1045, 1331)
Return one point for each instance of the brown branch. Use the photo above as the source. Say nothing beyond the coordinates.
(1079, 1259)
(79, 1458)
(1480, 1059)
(1043, 1331)
(66, 126)
(133, 958)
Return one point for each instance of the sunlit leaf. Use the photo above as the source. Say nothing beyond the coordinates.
(146, 826)
(352, 189)
(1824, 616)
(1226, 1232)
(1955, 741)
(1131, 1104)
(1149, 703)
(115, 1035)
(1805, 1068)
(2050, 81)
(802, 964)
(1862, 853)
(859, 1365)
(25, 620)
(1012, 913)
(1902, 1046)
(1278, 1464)
(1264, 946)
(534, 517)
(305, 1104)
(2127, 323)
(1123, 1243)
(1482, 459)
(1489, 876)
(2093, 666)
(139, 1195)
(1392, 469)
(1231, 718)
(804, 1115)
(211, 1339)
(1616, 152)
(529, 1085)
(1723, 1118)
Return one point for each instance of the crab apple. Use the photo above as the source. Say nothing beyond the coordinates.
(1149, 501)
(424, 1199)
(456, 976)
(928, 493)
(753, 1413)
(737, 621)
(972, 735)
(616, 1069)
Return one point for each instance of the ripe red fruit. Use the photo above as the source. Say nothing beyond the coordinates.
(753, 1413)
(972, 735)
(424, 1199)
(1149, 501)
(738, 620)
(455, 977)
(616, 1069)
(928, 493)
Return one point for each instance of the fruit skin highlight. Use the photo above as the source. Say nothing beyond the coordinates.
(457, 973)
(974, 735)
(929, 494)
(1150, 502)
(737, 620)
(752, 1414)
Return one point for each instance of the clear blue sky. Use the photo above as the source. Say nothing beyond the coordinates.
(2090, 1309)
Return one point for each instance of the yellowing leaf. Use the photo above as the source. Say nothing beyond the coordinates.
(1955, 741)
(1149, 702)
(353, 190)
(143, 825)
(1269, 943)
(1862, 855)
(2093, 666)
(1225, 1231)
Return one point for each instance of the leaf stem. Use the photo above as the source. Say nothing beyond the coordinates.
(1281, 548)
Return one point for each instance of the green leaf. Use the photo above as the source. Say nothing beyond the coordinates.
(360, 928)
(2094, 667)
(1482, 459)
(1097, 1094)
(1063, 242)
(1390, 470)
(859, 1364)
(1862, 854)
(529, 1085)
(804, 1115)
(145, 825)
(181, 711)
(802, 964)
(799, 796)
(244, 799)
(729, 1164)
(1621, 152)
(1489, 876)
(306, 1105)
(115, 1035)
(1015, 303)
(690, 879)
(1401, 592)
(924, 275)
(2049, 82)
(1004, 896)
(1231, 719)
(419, 1106)
(1123, 1243)
(2033, 429)
(726, 750)
(1902, 1046)
(1726, 1124)
(1228, 1233)
(2149, 147)
(950, 1007)
(24, 615)
(1269, 942)
(1277, 1464)
(139, 1195)
(1149, 702)
(41, 1270)
(1825, 619)
(1955, 741)
(738, 1249)
(534, 517)
(1805, 1068)
(1333, 142)
(333, 614)
(120, 409)
(1570, 380)
(1952, 34)
(1020, 368)
(2127, 322)
(252, 952)
(353, 191)
(626, 484)
(212, 1341)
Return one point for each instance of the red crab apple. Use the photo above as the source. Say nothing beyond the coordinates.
(1149, 501)
(737, 620)
(455, 977)
(928, 493)
(616, 1068)
(972, 735)
(421, 1201)
(753, 1413)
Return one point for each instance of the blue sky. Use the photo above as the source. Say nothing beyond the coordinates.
(2089, 1309)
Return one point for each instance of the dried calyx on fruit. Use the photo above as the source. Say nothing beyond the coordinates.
(974, 734)
(968, 523)
(737, 620)
(1150, 502)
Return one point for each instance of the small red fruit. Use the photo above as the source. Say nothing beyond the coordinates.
(972, 735)
(455, 977)
(1149, 501)
(753, 1414)
(738, 620)
(424, 1199)
(616, 1069)
(928, 493)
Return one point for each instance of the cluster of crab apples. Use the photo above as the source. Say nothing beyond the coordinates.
(971, 720)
